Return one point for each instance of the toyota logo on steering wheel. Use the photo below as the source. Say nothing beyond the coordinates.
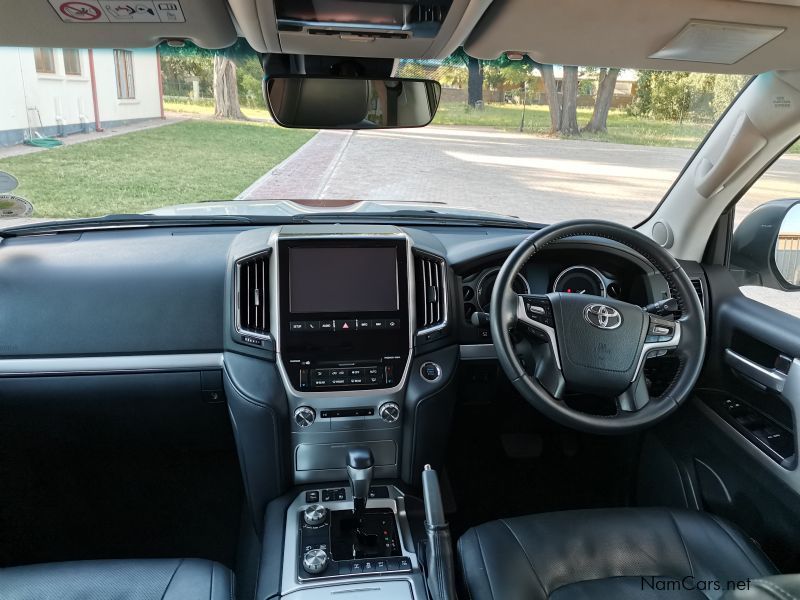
(602, 316)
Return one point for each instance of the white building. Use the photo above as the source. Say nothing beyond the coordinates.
(54, 91)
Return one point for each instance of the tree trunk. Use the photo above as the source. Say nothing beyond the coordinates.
(553, 101)
(602, 104)
(569, 102)
(226, 92)
(475, 82)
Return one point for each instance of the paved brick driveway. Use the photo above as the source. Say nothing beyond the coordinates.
(534, 178)
(538, 179)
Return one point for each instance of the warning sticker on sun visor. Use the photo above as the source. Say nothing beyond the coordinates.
(119, 11)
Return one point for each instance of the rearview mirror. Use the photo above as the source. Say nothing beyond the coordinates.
(351, 103)
(766, 246)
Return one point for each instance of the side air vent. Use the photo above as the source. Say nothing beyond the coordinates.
(698, 287)
(252, 294)
(431, 292)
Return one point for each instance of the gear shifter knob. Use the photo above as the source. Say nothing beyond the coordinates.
(359, 470)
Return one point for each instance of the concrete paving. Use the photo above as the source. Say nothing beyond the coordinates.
(79, 138)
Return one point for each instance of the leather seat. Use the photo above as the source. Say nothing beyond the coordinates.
(607, 553)
(147, 579)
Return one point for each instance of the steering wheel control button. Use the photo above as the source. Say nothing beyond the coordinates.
(315, 515)
(430, 371)
(389, 412)
(659, 330)
(315, 561)
(304, 416)
(539, 310)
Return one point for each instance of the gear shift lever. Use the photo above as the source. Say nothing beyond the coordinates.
(359, 470)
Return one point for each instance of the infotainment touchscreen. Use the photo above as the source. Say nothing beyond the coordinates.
(343, 279)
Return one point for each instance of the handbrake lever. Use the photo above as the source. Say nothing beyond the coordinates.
(439, 555)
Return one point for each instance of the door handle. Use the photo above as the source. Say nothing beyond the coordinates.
(771, 379)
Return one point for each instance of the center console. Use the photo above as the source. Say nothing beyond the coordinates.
(345, 319)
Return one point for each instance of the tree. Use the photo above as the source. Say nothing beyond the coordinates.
(568, 124)
(602, 102)
(226, 89)
(553, 100)
(475, 81)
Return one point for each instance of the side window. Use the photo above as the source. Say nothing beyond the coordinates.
(44, 59)
(775, 192)
(123, 63)
(72, 61)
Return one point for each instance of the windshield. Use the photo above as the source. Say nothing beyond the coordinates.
(96, 132)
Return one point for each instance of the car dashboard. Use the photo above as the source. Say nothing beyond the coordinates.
(317, 337)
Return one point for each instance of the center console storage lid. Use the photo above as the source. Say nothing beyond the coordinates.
(312, 457)
(374, 590)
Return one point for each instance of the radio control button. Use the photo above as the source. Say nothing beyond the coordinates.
(364, 324)
(326, 325)
(380, 324)
(393, 324)
(297, 326)
(312, 325)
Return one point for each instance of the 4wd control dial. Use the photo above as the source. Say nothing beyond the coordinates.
(315, 561)
(304, 416)
(315, 514)
(389, 412)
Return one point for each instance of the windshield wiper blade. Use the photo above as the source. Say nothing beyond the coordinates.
(129, 221)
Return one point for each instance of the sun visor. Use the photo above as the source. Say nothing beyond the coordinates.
(115, 23)
(716, 42)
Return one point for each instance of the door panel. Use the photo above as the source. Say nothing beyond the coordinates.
(734, 448)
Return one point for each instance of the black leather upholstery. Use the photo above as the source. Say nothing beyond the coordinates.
(780, 587)
(156, 579)
(606, 553)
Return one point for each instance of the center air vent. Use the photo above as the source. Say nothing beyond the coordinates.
(252, 297)
(431, 292)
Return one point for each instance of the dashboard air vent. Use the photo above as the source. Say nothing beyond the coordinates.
(698, 287)
(431, 294)
(252, 275)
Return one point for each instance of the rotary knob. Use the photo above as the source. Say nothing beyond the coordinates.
(315, 514)
(304, 416)
(315, 561)
(389, 412)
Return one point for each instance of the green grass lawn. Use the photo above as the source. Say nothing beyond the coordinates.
(134, 172)
(622, 128)
(208, 110)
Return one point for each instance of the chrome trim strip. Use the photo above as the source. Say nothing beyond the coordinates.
(290, 582)
(445, 297)
(77, 365)
(770, 378)
(652, 346)
(477, 352)
(237, 304)
(495, 271)
(275, 321)
(522, 315)
(592, 270)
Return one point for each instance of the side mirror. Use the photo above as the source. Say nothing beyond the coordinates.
(351, 103)
(766, 246)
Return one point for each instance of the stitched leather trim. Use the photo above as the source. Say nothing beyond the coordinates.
(169, 583)
(527, 557)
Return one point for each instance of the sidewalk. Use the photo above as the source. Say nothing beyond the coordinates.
(79, 138)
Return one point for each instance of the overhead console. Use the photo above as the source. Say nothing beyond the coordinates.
(344, 312)
(358, 28)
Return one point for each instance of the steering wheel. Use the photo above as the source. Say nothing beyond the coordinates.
(592, 345)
